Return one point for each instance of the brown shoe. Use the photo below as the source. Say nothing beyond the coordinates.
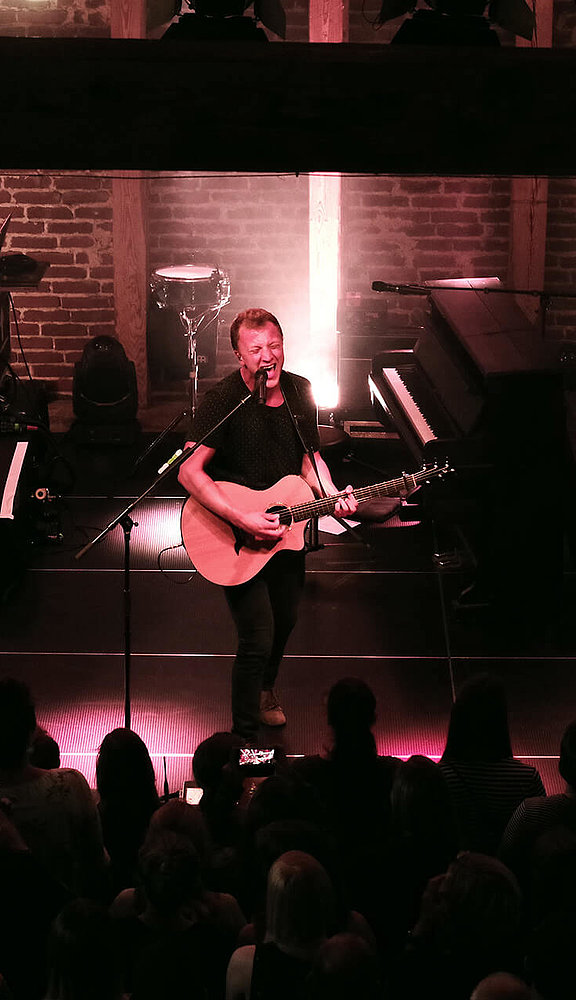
(271, 713)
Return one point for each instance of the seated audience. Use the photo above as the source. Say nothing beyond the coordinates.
(126, 786)
(485, 781)
(537, 816)
(179, 941)
(422, 843)
(470, 925)
(345, 967)
(502, 986)
(83, 957)
(353, 783)
(44, 750)
(299, 913)
(54, 811)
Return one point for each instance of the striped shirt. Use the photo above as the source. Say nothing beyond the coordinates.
(484, 796)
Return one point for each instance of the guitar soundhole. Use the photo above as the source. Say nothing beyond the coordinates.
(283, 512)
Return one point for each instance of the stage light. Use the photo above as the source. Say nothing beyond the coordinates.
(223, 20)
(458, 22)
(319, 363)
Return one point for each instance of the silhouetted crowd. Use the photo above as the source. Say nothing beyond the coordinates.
(342, 876)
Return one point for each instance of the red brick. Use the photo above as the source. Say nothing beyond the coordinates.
(33, 242)
(71, 227)
(63, 329)
(84, 287)
(77, 241)
(84, 197)
(87, 301)
(49, 213)
(24, 197)
(27, 181)
(77, 182)
(95, 315)
(44, 357)
(46, 315)
(72, 271)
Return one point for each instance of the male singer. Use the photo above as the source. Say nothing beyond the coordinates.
(257, 447)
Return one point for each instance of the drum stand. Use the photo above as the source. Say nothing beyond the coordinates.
(191, 320)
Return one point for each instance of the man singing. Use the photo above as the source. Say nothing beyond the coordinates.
(258, 446)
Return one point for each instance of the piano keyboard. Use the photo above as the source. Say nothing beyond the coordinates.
(406, 400)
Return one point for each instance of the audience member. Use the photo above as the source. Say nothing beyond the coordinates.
(537, 816)
(180, 941)
(501, 986)
(470, 925)
(344, 967)
(44, 750)
(222, 788)
(126, 786)
(299, 913)
(422, 843)
(83, 955)
(485, 781)
(54, 811)
(353, 783)
(550, 957)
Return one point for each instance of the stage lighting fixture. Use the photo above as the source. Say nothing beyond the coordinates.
(224, 21)
(458, 22)
(105, 394)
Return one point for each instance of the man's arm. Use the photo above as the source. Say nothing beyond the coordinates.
(344, 507)
(201, 486)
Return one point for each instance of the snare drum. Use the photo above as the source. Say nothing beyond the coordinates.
(190, 287)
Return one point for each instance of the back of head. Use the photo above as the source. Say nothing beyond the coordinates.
(351, 713)
(44, 750)
(344, 967)
(177, 816)
(82, 954)
(421, 805)
(478, 728)
(17, 722)
(211, 757)
(124, 770)
(299, 902)
(481, 907)
(170, 871)
(567, 762)
(501, 986)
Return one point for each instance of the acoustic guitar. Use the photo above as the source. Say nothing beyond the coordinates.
(225, 554)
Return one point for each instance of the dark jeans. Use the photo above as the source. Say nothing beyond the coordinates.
(264, 610)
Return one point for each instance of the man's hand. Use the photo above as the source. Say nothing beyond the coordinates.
(262, 526)
(346, 505)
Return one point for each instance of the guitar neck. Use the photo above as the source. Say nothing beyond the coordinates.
(326, 505)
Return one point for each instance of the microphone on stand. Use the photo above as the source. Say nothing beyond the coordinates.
(260, 380)
(385, 286)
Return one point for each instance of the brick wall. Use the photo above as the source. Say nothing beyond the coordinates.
(55, 18)
(253, 227)
(67, 221)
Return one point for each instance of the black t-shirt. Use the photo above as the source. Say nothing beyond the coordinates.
(258, 445)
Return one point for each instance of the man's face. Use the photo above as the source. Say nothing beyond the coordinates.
(260, 348)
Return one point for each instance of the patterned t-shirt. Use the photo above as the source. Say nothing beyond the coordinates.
(258, 445)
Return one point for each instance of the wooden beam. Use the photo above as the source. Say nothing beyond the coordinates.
(76, 103)
(529, 197)
(128, 18)
(130, 273)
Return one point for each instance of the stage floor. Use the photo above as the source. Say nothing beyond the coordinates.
(377, 606)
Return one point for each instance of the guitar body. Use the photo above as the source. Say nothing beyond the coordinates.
(214, 546)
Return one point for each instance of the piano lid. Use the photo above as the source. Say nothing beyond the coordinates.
(491, 326)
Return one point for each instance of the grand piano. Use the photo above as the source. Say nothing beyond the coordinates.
(481, 387)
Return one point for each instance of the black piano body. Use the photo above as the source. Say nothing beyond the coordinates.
(480, 387)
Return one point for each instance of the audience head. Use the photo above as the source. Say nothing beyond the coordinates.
(44, 750)
(170, 871)
(177, 816)
(501, 986)
(212, 757)
(83, 959)
(124, 770)
(567, 762)
(474, 910)
(344, 967)
(17, 722)
(299, 903)
(351, 713)
(478, 728)
(421, 805)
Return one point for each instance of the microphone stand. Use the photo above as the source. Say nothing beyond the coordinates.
(545, 296)
(125, 521)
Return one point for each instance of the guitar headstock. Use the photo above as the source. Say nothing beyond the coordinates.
(433, 471)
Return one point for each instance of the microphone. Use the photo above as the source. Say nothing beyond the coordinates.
(384, 286)
(260, 380)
